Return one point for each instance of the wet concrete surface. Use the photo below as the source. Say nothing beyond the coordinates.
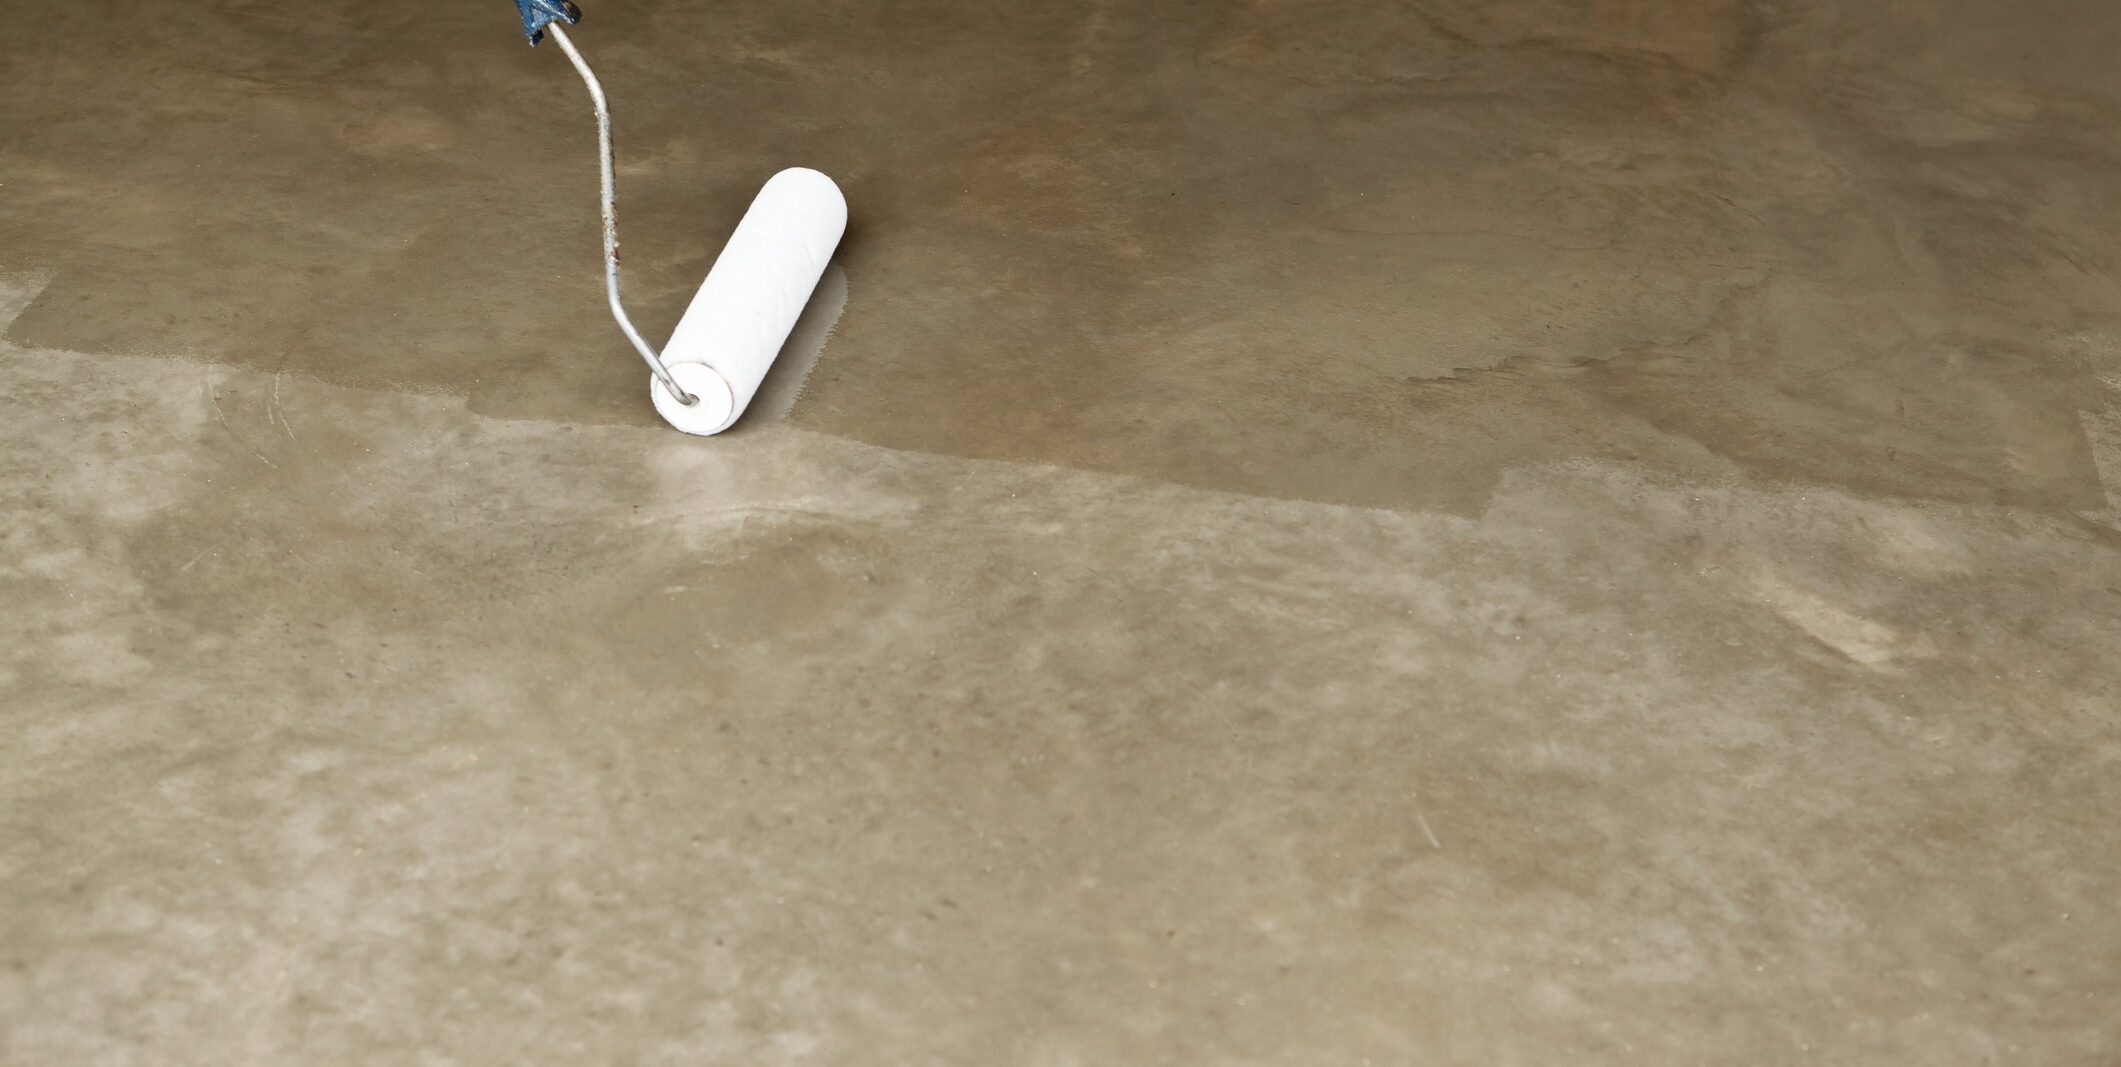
(1338, 532)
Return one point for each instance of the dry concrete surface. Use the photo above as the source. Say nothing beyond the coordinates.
(1327, 532)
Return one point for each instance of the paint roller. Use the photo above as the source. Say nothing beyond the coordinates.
(742, 314)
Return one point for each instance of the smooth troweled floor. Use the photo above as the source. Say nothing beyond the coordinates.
(1331, 532)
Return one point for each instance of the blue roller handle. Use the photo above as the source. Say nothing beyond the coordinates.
(538, 14)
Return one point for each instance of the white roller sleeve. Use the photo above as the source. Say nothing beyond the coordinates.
(741, 316)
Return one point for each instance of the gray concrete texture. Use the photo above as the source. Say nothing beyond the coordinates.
(1329, 532)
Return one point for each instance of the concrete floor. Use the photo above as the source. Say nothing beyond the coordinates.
(1345, 532)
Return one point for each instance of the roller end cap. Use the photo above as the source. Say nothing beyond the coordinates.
(713, 408)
